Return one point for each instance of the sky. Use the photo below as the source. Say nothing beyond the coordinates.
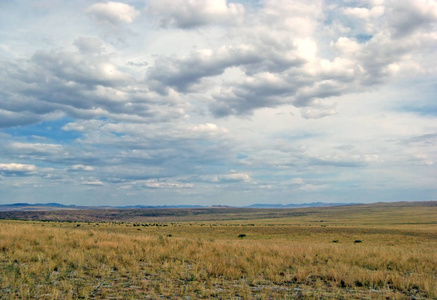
(208, 102)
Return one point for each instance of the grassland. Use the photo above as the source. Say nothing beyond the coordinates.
(381, 251)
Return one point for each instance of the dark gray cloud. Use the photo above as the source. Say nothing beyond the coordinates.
(182, 73)
(264, 91)
(408, 17)
(80, 85)
(139, 155)
(147, 151)
(10, 119)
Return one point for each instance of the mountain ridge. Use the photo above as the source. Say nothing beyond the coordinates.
(59, 206)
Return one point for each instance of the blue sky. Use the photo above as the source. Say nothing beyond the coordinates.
(165, 102)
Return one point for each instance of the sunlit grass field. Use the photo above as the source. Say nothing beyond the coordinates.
(381, 251)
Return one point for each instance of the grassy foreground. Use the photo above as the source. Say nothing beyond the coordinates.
(370, 251)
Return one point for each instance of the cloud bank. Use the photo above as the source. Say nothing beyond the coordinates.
(236, 102)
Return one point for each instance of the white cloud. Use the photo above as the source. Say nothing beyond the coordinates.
(298, 17)
(209, 127)
(92, 182)
(232, 177)
(347, 45)
(194, 13)
(19, 168)
(314, 113)
(113, 12)
(82, 168)
(364, 13)
(75, 68)
(36, 148)
(299, 184)
(165, 184)
(312, 187)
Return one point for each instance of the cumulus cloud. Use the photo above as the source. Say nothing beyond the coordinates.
(182, 73)
(407, 17)
(58, 83)
(218, 87)
(365, 13)
(194, 13)
(113, 13)
(81, 168)
(75, 68)
(275, 67)
(280, 68)
(151, 152)
(209, 128)
(15, 169)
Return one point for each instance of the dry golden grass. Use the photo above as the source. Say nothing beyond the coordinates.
(278, 259)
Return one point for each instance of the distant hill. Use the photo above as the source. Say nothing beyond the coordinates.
(69, 213)
(158, 206)
(38, 207)
(302, 205)
(58, 206)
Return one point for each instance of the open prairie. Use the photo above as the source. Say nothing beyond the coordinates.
(378, 251)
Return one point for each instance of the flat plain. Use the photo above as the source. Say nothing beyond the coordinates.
(376, 251)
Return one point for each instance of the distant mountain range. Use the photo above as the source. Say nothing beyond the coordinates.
(302, 205)
(58, 206)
